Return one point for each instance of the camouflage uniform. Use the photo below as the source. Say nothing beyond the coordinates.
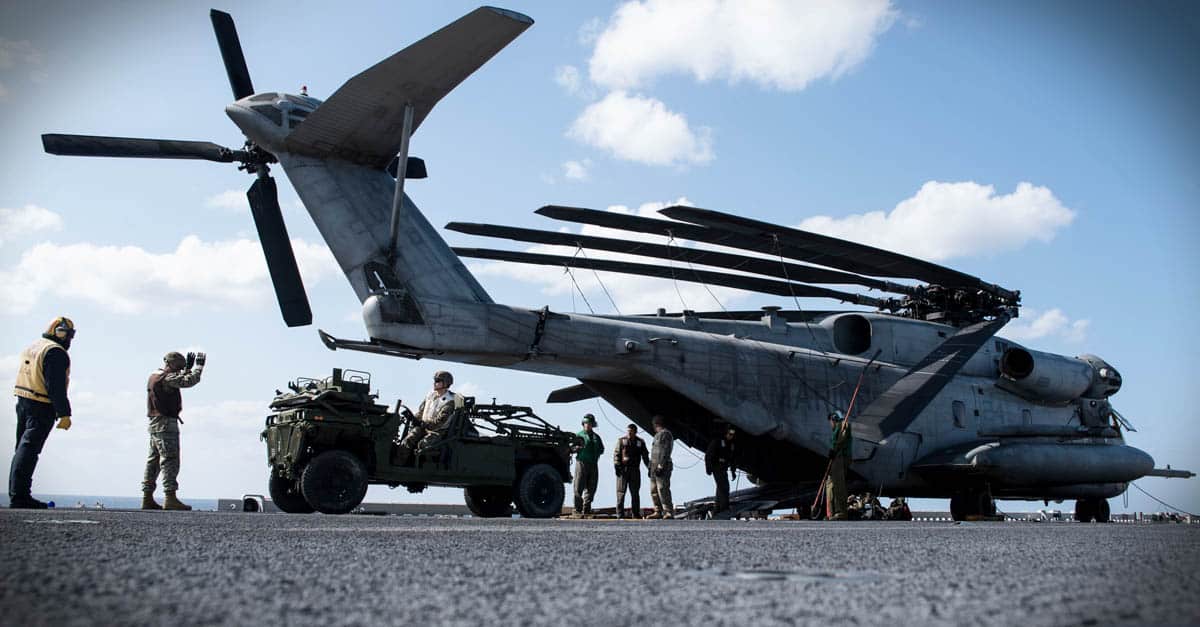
(660, 473)
(164, 385)
(629, 453)
(835, 486)
(433, 416)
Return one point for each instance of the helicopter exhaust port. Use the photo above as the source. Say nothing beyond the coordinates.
(1044, 377)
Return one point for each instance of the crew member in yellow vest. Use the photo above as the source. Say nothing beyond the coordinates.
(41, 391)
(432, 417)
(164, 403)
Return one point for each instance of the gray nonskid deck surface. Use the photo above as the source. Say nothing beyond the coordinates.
(71, 567)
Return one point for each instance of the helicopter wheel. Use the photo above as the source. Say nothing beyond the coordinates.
(1101, 510)
(1084, 510)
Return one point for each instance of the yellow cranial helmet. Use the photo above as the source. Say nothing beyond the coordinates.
(61, 328)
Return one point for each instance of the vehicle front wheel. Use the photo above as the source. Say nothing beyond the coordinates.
(286, 495)
(334, 482)
(540, 492)
(489, 501)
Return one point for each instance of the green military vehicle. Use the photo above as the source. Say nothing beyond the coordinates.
(328, 439)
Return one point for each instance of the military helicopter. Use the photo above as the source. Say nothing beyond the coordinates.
(943, 406)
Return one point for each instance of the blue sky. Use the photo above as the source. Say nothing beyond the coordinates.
(1051, 149)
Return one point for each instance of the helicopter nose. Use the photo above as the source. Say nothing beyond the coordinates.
(256, 126)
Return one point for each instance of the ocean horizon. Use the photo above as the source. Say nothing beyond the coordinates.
(91, 501)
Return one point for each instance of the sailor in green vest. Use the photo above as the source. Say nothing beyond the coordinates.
(41, 391)
(587, 473)
(164, 403)
(840, 446)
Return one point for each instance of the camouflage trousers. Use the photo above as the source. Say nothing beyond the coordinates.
(660, 492)
(630, 478)
(164, 457)
(419, 437)
(587, 477)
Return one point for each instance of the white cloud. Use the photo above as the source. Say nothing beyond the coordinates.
(642, 130)
(16, 223)
(781, 44)
(232, 199)
(130, 279)
(945, 220)
(577, 170)
(1033, 325)
(567, 77)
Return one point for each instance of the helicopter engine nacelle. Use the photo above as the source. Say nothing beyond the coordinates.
(1044, 377)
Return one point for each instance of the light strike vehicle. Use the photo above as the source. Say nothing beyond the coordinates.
(327, 440)
(945, 407)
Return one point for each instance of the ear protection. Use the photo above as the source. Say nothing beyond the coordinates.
(62, 328)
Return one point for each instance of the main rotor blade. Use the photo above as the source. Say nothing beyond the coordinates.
(837, 253)
(898, 406)
(753, 284)
(231, 53)
(697, 233)
(95, 146)
(683, 254)
(277, 248)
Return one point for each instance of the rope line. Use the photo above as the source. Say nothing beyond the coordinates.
(1161, 502)
(580, 251)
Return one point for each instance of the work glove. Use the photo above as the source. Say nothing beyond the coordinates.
(200, 357)
(191, 360)
(64, 423)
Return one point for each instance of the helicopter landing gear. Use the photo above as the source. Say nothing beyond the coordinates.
(972, 503)
(1087, 510)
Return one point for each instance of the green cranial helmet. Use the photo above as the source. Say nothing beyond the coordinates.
(589, 419)
(174, 357)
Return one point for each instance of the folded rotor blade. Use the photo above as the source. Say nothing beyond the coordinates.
(899, 405)
(836, 253)
(752, 284)
(683, 254)
(95, 146)
(277, 248)
(231, 53)
(697, 233)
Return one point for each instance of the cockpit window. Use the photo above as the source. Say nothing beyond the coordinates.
(271, 111)
(269, 96)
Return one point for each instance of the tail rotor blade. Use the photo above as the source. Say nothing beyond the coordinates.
(231, 53)
(277, 248)
(96, 146)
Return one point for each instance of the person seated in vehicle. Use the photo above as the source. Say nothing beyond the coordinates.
(854, 507)
(872, 509)
(432, 417)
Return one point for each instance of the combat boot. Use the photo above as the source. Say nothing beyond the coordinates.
(148, 501)
(175, 504)
(654, 514)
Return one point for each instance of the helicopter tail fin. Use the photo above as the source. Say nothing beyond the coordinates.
(362, 121)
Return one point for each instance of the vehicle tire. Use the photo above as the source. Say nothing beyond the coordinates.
(1101, 511)
(286, 495)
(1083, 510)
(539, 492)
(334, 482)
(489, 501)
